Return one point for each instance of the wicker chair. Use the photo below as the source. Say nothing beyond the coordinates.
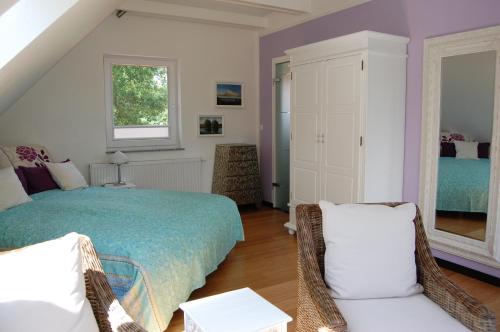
(110, 315)
(317, 310)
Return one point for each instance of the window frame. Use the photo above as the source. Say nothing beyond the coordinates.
(143, 144)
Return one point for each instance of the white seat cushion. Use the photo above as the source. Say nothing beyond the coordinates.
(415, 313)
(370, 250)
(42, 288)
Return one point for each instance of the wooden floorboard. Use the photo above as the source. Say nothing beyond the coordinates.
(267, 262)
(472, 225)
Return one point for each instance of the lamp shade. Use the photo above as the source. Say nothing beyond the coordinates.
(119, 158)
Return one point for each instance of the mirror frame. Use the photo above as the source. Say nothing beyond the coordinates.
(435, 49)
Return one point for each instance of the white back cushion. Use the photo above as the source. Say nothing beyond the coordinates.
(42, 288)
(66, 175)
(11, 190)
(370, 250)
(415, 313)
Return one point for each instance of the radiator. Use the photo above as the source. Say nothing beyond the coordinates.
(169, 174)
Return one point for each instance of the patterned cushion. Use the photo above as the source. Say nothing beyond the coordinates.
(452, 137)
(27, 155)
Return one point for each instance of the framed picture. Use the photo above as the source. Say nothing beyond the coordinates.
(229, 95)
(210, 125)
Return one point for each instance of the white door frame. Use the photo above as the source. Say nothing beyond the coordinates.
(275, 61)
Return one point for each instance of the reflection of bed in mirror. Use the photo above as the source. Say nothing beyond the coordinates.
(462, 196)
(463, 185)
(467, 102)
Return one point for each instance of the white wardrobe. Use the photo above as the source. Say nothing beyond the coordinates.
(347, 120)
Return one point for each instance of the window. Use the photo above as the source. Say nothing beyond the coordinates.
(141, 103)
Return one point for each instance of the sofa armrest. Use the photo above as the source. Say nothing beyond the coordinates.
(109, 314)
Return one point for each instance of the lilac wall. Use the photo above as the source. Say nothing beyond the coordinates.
(417, 19)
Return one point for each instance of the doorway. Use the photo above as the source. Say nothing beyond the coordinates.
(281, 128)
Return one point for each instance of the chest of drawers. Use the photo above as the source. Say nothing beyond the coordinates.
(236, 173)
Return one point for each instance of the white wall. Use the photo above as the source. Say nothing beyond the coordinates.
(65, 110)
(468, 94)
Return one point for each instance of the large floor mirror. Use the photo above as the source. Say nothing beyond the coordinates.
(459, 192)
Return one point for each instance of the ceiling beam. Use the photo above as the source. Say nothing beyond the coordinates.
(154, 8)
(288, 6)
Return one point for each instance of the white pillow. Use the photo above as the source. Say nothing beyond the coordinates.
(66, 175)
(466, 150)
(11, 190)
(42, 288)
(370, 250)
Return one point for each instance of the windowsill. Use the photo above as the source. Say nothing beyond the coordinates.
(143, 149)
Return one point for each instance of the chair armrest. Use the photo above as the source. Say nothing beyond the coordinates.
(109, 314)
(446, 294)
(457, 302)
(316, 310)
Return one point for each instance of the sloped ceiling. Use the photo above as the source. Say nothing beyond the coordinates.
(42, 32)
(30, 63)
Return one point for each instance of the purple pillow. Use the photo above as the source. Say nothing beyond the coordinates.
(448, 150)
(483, 150)
(22, 178)
(39, 179)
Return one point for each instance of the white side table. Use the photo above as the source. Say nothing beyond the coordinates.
(241, 310)
(127, 185)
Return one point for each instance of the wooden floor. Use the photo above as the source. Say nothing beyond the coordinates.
(266, 262)
(472, 225)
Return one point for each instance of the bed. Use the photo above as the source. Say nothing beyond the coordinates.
(156, 246)
(463, 185)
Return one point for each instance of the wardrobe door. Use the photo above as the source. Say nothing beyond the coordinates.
(341, 129)
(305, 123)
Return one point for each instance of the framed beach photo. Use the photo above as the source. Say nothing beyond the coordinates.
(210, 125)
(229, 95)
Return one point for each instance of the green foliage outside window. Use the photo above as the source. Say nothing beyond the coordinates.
(140, 96)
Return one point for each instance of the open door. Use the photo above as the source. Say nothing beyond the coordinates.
(281, 182)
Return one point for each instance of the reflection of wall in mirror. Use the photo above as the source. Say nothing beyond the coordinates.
(467, 94)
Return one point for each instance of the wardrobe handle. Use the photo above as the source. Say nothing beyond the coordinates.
(318, 138)
(322, 138)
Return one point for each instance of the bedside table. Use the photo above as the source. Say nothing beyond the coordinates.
(127, 185)
(241, 310)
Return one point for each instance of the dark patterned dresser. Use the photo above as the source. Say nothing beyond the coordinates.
(236, 173)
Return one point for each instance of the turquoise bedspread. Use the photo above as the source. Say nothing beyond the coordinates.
(463, 185)
(156, 246)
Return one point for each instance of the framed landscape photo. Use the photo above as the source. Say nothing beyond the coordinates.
(210, 125)
(229, 94)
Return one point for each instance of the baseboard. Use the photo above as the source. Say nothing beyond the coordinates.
(268, 204)
(469, 272)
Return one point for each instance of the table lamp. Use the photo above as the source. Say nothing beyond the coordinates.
(119, 158)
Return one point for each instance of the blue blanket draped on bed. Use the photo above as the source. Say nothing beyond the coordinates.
(463, 185)
(156, 246)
